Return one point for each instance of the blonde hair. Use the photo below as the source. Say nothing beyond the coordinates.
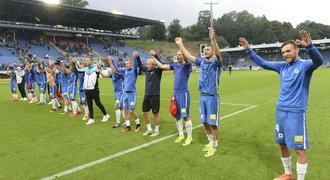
(71, 60)
(130, 60)
(90, 58)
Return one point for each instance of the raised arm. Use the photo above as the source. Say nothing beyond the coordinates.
(142, 67)
(34, 68)
(185, 52)
(50, 71)
(215, 45)
(64, 69)
(110, 61)
(257, 59)
(306, 41)
(8, 72)
(77, 64)
(52, 67)
(114, 67)
(164, 67)
(102, 73)
(138, 63)
(137, 60)
(50, 61)
(186, 61)
(40, 67)
(154, 54)
(26, 66)
(30, 67)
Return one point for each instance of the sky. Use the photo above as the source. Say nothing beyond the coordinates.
(186, 11)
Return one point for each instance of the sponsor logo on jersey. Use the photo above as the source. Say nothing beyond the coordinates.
(298, 139)
(213, 117)
(183, 110)
(280, 135)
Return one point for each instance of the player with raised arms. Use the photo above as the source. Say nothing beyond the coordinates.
(182, 70)
(210, 67)
(295, 75)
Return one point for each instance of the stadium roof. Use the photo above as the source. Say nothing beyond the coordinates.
(33, 11)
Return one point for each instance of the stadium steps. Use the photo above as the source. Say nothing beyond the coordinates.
(245, 62)
(9, 59)
(240, 62)
(58, 49)
(97, 54)
(98, 49)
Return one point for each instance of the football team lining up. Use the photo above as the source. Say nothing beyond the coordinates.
(295, 75)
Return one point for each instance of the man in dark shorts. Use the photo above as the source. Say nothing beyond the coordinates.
(151, 100)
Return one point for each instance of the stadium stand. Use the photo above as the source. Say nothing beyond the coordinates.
(35, 45)
(128, 51)
(100, 48)
(239, 63)
(326, 56)
(8, 59)
(31, 28)
(271, 52)
(250, 63)
(68, 17)
(7, 50)
(103, 47)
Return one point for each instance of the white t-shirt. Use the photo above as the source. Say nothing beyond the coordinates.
(19, 76)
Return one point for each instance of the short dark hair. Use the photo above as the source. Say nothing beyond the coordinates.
(292, 42)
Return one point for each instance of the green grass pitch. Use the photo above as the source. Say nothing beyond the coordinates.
(35, 143)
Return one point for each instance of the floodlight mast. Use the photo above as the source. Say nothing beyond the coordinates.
(211, 11)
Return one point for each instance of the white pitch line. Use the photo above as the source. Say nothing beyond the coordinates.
(93, 163)
(168, 99)
(233, 104)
